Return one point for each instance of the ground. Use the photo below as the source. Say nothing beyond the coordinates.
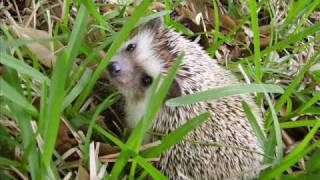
(58, 109)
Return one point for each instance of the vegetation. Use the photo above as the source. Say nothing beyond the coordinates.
(54, 96)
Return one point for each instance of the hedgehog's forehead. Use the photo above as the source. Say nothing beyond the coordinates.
(144, 39)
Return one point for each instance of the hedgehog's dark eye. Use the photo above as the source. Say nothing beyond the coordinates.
(146, 80)
(131, 47)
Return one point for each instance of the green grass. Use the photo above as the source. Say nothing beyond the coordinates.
(224, 92)
(289, 102)
(256, 39)
(56, 90)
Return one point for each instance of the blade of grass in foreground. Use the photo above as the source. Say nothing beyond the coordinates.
(291, 88)
(43, 107)
(18, 43)
(59, 77)
(135, 136)
(299, 123)
(254, 124)
(66, 12)
(269, 147)
(156, 174)
(256, 39)
(291, 39)
(154, 102)
(216, 21)
(138, 132)
(123, 34)
(306, 105)
(314, 164)
(277, 130)
(77, 88)
(301, 150)
(296, 9)
(176, 136)
(23, 121)
(167, 18)
(150, 17)
(93, 10)
(224, 92)
(9, 92)
(22, 67)
(8, 162)
(106, 103)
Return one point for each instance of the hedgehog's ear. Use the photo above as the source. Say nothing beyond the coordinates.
(153, 25)
(175, 90)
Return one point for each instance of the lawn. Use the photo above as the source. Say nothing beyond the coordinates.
(60, 118)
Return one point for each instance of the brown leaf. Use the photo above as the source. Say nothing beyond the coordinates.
(108, 8)
(158, 6)
(227, 22)
(43, 50)
(235, 52)
(288, 141)
(241, 36)
(264, 42)
(1, 70)
(106, 149)
(265, 30)
(82, 173)
(65, 140)
(36, 102)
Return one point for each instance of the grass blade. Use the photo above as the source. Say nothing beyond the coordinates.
(300, 151)
(43, 107)
(123, 34)
(277, 130)
(127, 152)
(296, 10)
(59, 77)
(66, 10)
(18, 43)
(8, 162)
(290, 89)
(155, 173)
(300, 123)
(291, 39)
(106, 103)
(314, 164)
(223, 92)
(256, 39)
(176, 136)
(305, 106)
(77, 88)
(154, 103)
(22, 67)
(254, 124)
(92, 8)
(23, 120)
(9, 92)
(114, 139)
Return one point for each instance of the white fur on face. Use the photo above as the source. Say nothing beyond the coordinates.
(150, 62)
(147, 58)
(134, 112)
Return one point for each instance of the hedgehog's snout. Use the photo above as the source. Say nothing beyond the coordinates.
(114, 68)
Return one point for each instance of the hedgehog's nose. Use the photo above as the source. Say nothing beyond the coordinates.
(114, 68)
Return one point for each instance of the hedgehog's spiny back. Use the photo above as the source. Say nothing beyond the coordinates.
(197, 67)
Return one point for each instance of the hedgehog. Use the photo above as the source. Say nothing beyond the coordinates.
(152, 50)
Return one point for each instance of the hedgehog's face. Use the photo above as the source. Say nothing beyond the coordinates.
(135, 66)
(140, 60)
